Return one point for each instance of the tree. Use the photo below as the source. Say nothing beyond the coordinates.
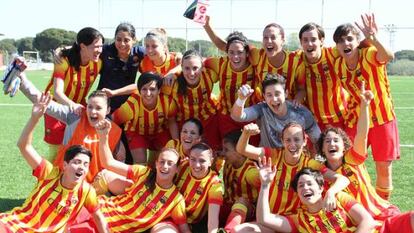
(403, 67)
(206, 48)
(8, 46)
(292, 42)
(176, 44)
(50, 39)
(24, 44)
(405, 54)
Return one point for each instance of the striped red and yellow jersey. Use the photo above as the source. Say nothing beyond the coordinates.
(241, 182)
(325, 97)
(229, 81)
(138, 118)
(361, 187)
(139, 209)
(323, 221)
(147, 65)
(198, 193)
(50, 206)
(176, 144)
(76, 83)
(282, 198)
(287, 69)
(374, 74)
(199, 101)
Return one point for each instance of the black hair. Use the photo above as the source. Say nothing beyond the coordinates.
(343, 30)
(126, 27)
(148, 77)
(203, 147)
(311, 26)
(238, 37)
(273, 79)
(182, 83)
(72, 151)
(197, 122)
(317, 175)
(152, 177)
(102, 94)
(232, 137)
(85, 36)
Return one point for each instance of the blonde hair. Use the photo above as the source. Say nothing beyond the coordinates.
(159, 34)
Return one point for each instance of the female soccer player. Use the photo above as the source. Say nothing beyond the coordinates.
(348, 160)
(191, 134)
(72, 80)
(193, 94)
(149, 117)
(201, 188)
(60, 194)
(349, 216)
(241, 182)
(120, 63)
(288, 160)
(80, 129)
(153, 201)
(274, 113)
(369, 65)
(317, 81)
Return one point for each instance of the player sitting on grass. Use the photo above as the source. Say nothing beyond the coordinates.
(59, 194)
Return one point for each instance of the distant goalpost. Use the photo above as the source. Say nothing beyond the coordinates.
(33, 59)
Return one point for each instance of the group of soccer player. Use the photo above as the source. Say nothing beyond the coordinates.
(288, 133)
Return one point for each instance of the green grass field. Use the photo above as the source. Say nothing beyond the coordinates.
(16, 180)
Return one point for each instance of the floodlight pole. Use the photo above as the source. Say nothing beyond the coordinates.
(186, 29)
(323, 3)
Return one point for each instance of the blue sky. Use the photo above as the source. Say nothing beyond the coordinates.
(28, 17)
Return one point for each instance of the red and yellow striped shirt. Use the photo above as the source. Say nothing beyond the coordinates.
(361, 187)
(325, 97)
(147, 65)
(76, 83)
(139, 208)
(287, 69)
(142, 120)
(282, 198)
(375, 76)
(50, 206)
(229, 81)
(198, 193)
(338, 220)
(241, 182)
(176, 144)
(199, 101)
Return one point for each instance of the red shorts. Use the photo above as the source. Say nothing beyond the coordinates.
(227, 125)
(336, 125)
(398, 223)
(54, 130)
(4, 228)
(152, 142)
(384, 141)
(83, 223)
(211, 132)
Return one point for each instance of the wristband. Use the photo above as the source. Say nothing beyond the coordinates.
(239, 102)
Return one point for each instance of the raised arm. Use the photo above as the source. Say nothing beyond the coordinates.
(360, 140)
(370, 30)
(25, 141)
(105, 154)
(243, 147)
(217, 41)
(127, 90)
(264, 216)
(237, 111)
